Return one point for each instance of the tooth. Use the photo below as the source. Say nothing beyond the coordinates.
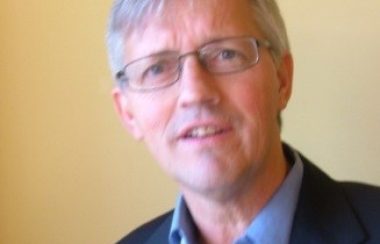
(202, 131)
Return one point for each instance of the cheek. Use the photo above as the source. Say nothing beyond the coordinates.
(153, 113)
(255, 97)
(251, 97)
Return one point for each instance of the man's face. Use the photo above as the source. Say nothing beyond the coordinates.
(211, 133)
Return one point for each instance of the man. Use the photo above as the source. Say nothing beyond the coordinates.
(202, 83)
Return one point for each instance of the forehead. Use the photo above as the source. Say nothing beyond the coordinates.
(186, 25)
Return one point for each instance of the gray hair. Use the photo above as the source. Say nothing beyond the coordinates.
(127, 15)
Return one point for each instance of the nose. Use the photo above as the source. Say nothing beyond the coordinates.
(197, 85)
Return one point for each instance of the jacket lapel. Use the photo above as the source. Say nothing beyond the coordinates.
(323, 213)
(161, 234)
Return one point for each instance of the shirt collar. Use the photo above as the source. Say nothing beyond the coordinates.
(272, 225)
(182, 228)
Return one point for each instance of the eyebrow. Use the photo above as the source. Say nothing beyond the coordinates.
(168, 51)
(163, 52)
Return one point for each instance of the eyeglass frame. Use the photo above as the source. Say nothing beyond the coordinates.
(120, 75)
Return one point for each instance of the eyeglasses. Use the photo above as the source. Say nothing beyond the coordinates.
(223, 56)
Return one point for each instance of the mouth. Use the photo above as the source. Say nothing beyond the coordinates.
(206, 131)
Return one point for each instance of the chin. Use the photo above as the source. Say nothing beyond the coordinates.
(216, 185)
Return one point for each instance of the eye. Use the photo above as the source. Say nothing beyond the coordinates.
(224, 56)
(158, 71)
(154, 70)
(228, 54)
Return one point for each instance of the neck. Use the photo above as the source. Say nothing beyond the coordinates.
(222, 220)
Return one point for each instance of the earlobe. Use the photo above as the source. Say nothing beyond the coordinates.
(285, 76)
(125, 113)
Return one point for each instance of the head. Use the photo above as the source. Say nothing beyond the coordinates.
(211, 133)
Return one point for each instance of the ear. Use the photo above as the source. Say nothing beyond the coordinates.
(285, 77)
(125, 112)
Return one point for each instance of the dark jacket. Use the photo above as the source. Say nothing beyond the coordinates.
(327, 212)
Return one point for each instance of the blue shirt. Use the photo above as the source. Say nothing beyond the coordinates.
(273, 223)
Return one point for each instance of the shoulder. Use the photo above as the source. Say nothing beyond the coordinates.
(145, 232)
(361, 196)
(365, 199)
(362, 193)
(330, 211)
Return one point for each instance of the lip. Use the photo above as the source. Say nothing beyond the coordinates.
(222, 127)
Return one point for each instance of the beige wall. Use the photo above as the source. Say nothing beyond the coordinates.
(334, 116)
(69, 174)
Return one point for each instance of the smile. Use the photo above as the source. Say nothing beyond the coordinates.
(203, 131)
